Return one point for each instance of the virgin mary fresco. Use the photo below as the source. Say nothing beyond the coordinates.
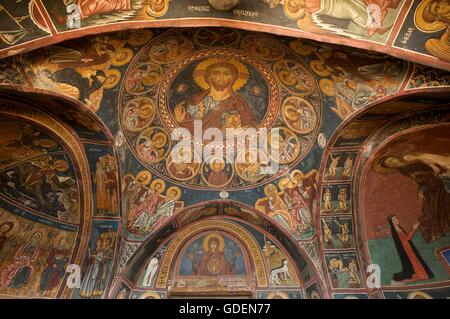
(213, 255)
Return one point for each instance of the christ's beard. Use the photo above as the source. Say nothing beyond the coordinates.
(220, 86)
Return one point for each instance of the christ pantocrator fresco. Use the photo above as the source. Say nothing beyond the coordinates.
(218, 105)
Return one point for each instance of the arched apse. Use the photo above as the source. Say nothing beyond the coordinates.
(362, 160)
(51, 215)
(219, 248)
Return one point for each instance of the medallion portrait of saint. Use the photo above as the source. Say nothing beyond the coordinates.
(152, 145)
(183, 164)
(433, 16)
(138, 113)
(216, 172)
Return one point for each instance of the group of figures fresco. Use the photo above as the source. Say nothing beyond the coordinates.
(40, 207)
(44, 210)
(238, 86)
(292, 203)
(34, 256)
(406, 232)
(336, 222)
(148, 204)
(36, 172)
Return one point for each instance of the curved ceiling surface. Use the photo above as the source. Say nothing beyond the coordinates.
(89, 172)
(413, 30)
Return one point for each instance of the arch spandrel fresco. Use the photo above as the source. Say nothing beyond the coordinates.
(46, 209)
(122, 94)
(403, 233)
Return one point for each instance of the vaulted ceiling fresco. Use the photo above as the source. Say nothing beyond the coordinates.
(88, 167)
(415, 30)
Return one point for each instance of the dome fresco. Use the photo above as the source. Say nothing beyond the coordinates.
(340, 163)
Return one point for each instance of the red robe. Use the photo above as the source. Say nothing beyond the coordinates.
(91, 7)
(419, 271)
(214, 117)
(219, 178)
(214, 264)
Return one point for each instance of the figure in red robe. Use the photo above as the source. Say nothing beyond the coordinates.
(413, 266)
(56, 267)
(217, 176)
(219, 106)
(91, 7)
(214, 261)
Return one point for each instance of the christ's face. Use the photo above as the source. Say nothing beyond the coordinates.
(220, 77)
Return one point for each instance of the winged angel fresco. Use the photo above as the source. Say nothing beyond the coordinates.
(69, 12)
(354, 18)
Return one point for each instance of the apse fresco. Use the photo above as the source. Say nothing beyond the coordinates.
(212, 255)
(90, 172)
(227, 257)
(412, 223)
(44, 184)
(45, 197)
(37, 173)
